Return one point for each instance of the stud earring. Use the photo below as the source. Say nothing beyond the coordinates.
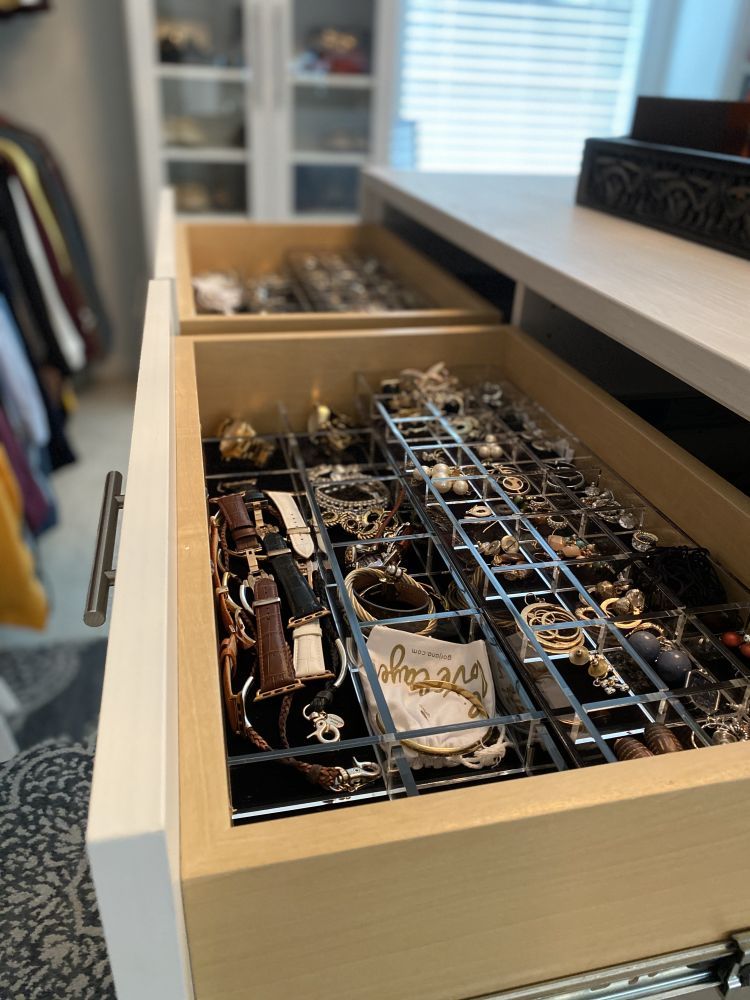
(447, 478)
(490, 448)
(580, 657)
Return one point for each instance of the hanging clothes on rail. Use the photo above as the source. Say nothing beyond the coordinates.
(52, 325)
(91, 314)
(24, 424)
(22, 598)
(49, 375)
(49, 223)
(19, 389)
(37, 509)
(70, 339)
(51, 352)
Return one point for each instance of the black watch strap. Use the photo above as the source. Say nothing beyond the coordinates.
(302, 600)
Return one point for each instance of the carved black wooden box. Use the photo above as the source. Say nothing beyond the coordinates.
(700, 196)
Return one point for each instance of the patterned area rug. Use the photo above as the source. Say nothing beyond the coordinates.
(59, 689)
(51, 941)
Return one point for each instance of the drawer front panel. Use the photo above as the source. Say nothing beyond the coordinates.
(481, 889)
(577, 879)
(254, 249)
(133, 828)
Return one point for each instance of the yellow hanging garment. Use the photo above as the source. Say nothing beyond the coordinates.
(22, 597)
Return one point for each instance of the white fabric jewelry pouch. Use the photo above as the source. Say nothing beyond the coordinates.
(404, 661)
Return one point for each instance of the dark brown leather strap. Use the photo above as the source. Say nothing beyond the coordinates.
(275, 665)
(235, 620)
(232, 700)
(244, 535)
(220, 591)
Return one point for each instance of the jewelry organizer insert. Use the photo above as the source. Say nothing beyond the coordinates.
(328, 281)
(453, 511)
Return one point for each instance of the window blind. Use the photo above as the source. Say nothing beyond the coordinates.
(515, 86)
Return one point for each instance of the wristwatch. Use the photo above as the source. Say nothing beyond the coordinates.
(309, 659)
(295, 527)
(275, 666)
(304, 605)
(245, 532)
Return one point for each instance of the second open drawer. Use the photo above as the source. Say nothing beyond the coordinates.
(252, 249)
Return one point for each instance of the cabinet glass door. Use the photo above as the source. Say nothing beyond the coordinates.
(331, 87)
(196, 33)
(205, 91)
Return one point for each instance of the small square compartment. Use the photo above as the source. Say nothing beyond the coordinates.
(331, 120)
(325, 189)
(193, 33)
(203, 114)
(209, 188)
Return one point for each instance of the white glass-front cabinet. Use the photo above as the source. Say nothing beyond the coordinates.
(261, 108)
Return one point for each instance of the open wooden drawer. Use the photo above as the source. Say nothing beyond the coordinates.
(458, 894)
(253, 249)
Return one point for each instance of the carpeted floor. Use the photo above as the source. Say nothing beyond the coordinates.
(59, 689)
(51, 941)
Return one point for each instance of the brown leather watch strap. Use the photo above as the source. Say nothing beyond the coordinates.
(220, 592)
(234, 619)
(244, 534)
(275, 665)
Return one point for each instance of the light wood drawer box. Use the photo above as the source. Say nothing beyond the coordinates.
(453, 895)
(253, 249)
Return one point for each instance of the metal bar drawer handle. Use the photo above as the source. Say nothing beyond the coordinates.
(102, 573)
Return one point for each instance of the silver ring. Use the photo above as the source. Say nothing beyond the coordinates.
(539, 503)
(565, 474)
(556, 522)
(644, 541)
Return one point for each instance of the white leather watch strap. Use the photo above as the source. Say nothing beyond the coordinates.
(297, 531)
(308, 651)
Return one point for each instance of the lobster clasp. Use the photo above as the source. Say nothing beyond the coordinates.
(327, 728)
(327, 725)
(352, 778)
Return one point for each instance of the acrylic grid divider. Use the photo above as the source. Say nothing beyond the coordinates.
(435, 433)
(534, 750)
(528, 719)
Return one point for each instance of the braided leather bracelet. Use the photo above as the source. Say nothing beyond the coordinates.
(333, 779)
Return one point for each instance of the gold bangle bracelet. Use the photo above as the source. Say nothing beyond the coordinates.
(371, 576)
(425, 748)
